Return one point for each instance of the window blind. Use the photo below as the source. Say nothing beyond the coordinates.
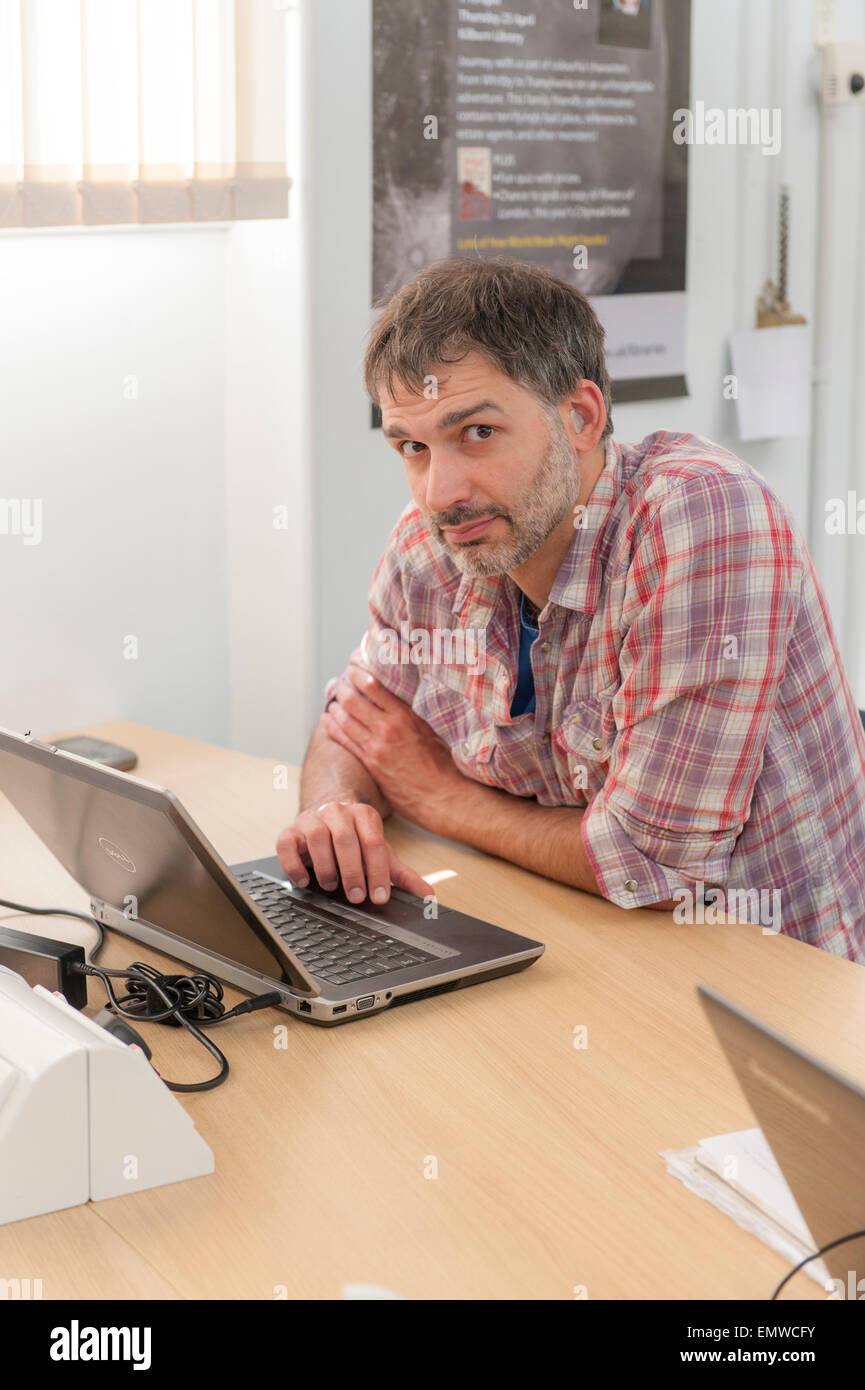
(141, 111)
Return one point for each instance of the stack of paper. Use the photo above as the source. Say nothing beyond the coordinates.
(738, 1174)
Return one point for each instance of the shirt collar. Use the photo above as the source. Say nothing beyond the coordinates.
(578, 582)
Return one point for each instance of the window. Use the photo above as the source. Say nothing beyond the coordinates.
(118, 111)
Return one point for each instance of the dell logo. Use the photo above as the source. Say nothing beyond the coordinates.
(114, 852)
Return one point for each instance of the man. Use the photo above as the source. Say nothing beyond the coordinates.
(610, 664)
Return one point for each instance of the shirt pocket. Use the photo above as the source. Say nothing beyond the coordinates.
(584, 742)
(455, 719)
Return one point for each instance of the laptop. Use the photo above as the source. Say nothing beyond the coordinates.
(153, 876)
(814, 1122)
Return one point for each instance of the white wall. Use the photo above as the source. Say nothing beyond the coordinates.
(133, 504)
(270, 592)
(839, 423)
(270, 461)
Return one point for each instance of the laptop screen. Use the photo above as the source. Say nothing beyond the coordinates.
(813, 1119)
(132, 846)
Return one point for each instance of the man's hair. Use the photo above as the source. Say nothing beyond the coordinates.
(538, 329)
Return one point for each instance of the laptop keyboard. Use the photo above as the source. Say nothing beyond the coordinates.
(335, 949)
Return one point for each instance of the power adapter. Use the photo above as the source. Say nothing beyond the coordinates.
(44, 962)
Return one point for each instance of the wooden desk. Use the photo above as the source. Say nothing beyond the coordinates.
(548, 1168)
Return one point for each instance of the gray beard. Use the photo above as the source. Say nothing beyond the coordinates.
(546, 501)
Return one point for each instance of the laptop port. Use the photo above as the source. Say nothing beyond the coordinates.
(304, 1007)
(341, 1010)
(365, 1003)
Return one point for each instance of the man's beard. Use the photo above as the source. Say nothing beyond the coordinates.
(546, 501)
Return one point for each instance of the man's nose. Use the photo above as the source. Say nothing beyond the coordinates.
(447, 484)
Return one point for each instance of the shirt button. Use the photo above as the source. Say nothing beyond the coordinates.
(546, 738)
(597, 744)
(631, 885)
(546, 647)
(465, 750)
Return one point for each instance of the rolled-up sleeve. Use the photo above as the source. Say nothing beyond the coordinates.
(710, 600)
(382, 648)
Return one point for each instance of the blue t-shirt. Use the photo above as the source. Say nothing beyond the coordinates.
(524, 695)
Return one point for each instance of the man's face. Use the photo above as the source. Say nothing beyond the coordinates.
(490, 468)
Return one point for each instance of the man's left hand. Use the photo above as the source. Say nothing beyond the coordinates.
(411, 765)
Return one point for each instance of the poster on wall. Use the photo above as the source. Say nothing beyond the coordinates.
(542, 132)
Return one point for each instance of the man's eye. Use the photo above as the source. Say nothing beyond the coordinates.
(489, 431)
(410, 448)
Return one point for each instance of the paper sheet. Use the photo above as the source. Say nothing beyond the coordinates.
(772, 369)
(738, 1174)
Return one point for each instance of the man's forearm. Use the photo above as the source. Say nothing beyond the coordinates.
(330, 773)
(543, 839)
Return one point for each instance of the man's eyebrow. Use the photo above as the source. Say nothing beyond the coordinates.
(447, 422)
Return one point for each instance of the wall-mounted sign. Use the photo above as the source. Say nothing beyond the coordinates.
(543, 132)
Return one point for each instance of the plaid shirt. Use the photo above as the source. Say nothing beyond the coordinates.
(689, 690)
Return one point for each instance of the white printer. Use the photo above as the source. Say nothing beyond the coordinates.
(83, 1116)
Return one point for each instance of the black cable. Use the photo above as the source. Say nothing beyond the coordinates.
(183, 998)
(199, 995)
(842, 1240)
(177, 998)
(62, 912)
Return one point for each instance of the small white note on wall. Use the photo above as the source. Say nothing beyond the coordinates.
(772, 371)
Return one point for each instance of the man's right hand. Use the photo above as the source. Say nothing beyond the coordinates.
(344, 839)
